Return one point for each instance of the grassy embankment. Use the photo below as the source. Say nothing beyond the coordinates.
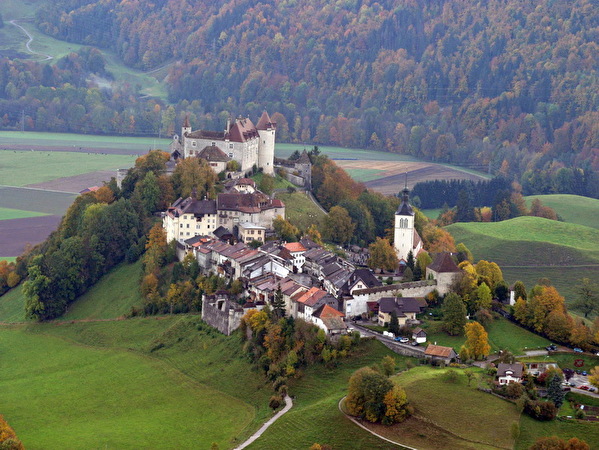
(301, 211)
(9, 213)
(529, 248)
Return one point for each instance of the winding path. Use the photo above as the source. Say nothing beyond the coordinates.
(257, 434)
(28, 45)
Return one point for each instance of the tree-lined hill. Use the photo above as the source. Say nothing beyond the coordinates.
(504, 84)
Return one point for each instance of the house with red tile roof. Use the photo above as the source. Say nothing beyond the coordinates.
(330, 320)
(440, 353)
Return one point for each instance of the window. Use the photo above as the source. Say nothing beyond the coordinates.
(194, 143)
(187, 225)
(230, 146)
(181, 225)
(213, 144)
(230, 155)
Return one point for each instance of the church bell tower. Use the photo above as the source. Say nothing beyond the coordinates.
(404, 226)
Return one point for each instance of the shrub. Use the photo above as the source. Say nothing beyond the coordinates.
(275, 402)
(514, 390)
(450, 376)
(540, 410)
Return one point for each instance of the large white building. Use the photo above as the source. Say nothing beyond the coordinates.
(241, 140)
(406, 238)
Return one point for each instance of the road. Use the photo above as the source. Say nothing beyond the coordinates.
(257, 434)
(369, 333)
(28, 45)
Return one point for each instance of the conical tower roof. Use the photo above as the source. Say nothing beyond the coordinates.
(405, 209)
(264, 123)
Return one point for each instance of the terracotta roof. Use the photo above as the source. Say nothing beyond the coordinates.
(439, 350)
(186, 122)
(213, 153)
(242, 130)
(295, 247)
(327, 311)
(443, 263)
(331, 318)
(265, 123)
(312, 296)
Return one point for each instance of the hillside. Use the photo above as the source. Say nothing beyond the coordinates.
(529, 248)
(572, 208)
(500, 84)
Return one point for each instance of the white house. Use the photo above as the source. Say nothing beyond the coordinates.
(509, 373)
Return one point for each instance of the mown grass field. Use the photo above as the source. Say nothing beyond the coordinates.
(363, 175)
(572, 208)
(530, 248)
(280, 182)
(9, 213)
(465, 411)
(113, 296)
(19, 168)
(531, 430)
(301, 211)
(503, 334)
(315, 416)
(283, 150)
(57, 393)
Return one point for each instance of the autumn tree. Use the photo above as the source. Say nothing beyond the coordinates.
(594, 376)
(544, 300)
(454, 314)
(382, 255)
(285, 230)
(373, 397)
(193, 173)
(477, 341)
(8, 437)
(483, 297)
(313, 233)
(156, 247)
(267, 183)
(587, 301)
(338, 226)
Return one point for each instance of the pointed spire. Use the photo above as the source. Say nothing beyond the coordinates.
(186, 122)
(264, 123)
(405, 209)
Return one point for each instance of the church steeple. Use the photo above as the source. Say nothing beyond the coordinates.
(405, 209)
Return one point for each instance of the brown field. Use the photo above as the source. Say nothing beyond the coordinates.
(15, 234)
(392, 176)
(76, 183)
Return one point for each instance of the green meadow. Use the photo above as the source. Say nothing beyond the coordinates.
(503, 335)
(35, 200)
(572, 208)
(12, 305)
(300, 210)
(283, 150)
(20, 168)
(530, 248)
(57, 393)
(427, 390)
(363, 175)
(9, 213)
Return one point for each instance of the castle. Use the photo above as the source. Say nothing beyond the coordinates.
(241, 141)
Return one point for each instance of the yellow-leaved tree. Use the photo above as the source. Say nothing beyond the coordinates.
(477, 342)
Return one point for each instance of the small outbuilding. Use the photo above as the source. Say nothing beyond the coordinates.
(440, 353)
(419, 335)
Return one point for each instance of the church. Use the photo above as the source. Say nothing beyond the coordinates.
(241, 141)
(406, 238)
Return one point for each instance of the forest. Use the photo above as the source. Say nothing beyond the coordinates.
(502, 85)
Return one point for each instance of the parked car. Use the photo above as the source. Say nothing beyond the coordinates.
(578, 350)
(402, 339)
(592, 389)
(584, 388)
(584, 373)
(551, 348)
(414, 343)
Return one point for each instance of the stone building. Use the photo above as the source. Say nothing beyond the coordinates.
(241, 140)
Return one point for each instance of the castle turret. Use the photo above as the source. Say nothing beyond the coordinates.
(404, 226)
(266, 147)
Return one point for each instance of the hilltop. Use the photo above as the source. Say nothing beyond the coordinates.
(530, 248)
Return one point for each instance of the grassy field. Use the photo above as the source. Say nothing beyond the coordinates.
(572, 208)
(531, 430)
(8, 258)
(475, 415)
(12, 305)
(431, 213)
(503, 334)
(285, 150)
(60, 394)
(47, 202)
(315, 416)
(363, 175)
(300, 210)
(9, 213)
(113, 296)
(22, 168)
(280, 182)
(529, 248)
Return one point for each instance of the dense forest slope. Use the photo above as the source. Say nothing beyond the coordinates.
(507, 85)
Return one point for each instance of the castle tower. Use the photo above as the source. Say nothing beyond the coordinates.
(266, 147)
(404, 226)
